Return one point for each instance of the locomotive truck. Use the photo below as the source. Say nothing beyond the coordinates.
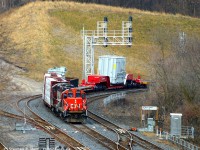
(64, 99)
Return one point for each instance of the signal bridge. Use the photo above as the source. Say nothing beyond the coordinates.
(103, 36)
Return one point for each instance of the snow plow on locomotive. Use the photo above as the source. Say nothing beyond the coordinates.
(64, 99)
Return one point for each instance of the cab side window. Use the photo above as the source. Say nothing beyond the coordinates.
(70, 95)
(83, 96)
(78, 95)
(65, 96)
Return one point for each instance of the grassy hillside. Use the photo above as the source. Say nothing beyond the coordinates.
(41, 35)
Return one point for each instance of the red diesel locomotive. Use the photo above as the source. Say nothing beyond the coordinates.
(63, 99)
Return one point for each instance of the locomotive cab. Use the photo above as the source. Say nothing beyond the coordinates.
(74, 107)
(63, 99)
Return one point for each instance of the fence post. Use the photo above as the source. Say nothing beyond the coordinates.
(160, 134)
(157, 131)
(166, 135)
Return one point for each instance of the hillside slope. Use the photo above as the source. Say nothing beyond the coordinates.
(41, 35)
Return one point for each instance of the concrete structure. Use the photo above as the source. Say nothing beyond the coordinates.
(175, 129)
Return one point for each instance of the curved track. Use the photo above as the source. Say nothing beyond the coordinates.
(58, 134)
(125, 139)
(108, 143)
(131, 138)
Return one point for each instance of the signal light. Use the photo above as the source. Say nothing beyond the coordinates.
(105, 19)
(105, 30)
(130, 19)
(105, 42)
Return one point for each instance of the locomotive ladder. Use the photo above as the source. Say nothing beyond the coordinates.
(103, 36)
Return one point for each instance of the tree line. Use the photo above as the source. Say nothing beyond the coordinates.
(7, 4)
(185, 7)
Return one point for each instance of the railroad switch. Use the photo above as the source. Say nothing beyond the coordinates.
(121, 131)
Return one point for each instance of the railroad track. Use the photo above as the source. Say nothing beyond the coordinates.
(126, 138)
(122, 132)
(58, 134)
(105, 141)
(2, 147)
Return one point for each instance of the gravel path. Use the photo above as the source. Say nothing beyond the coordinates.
(13, 139)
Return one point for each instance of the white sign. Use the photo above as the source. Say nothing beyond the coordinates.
(149, 107)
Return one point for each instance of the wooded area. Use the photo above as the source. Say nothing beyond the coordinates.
(7, 4)
(177, 76)
(185, 7)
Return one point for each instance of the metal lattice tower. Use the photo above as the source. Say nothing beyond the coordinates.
(103, 36)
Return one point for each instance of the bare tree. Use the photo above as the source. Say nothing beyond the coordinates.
(177, 75)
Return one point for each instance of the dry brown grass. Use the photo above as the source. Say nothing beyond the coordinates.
(42, 35)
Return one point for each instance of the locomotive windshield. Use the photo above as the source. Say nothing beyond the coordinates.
(78, 94)
(70, 94)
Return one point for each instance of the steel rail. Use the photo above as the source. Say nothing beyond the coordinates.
(129, 139)
(38, 121)
(54, 131)
(108, 143)
(136, 139)
(3, 147)
(132, 137)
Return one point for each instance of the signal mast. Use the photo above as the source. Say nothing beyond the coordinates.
(103, 36)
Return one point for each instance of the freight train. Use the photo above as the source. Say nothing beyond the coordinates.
(112, 75)
(65, 100)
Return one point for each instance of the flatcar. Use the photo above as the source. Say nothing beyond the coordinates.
(112, 75)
